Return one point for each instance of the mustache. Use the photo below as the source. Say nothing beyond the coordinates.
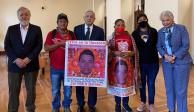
(24, 22)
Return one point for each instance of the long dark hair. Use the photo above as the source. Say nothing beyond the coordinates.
(116, 21)
(142, 15)
(86, 52)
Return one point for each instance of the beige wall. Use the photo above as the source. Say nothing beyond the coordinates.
(185, 14)
(185, 17)
(112, 14)
(127, 13)
(47, 18)
(153, 8)
(116, 9)
(192, 36)
(182, 10)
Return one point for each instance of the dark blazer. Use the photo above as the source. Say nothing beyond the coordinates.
(31, 48)
(147, 50)
(97, 33)
(179, 42)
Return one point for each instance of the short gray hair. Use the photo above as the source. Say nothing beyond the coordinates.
(90, 11)
(167, 13)
(23, 8)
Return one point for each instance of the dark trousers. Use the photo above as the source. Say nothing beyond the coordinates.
(92, 96)
(125, 100)
(148, 74)
(14, 83)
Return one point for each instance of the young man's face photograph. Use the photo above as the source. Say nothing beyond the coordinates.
(86, 63)
(121, 74)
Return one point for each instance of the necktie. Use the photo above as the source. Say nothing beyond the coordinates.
(88, 33)
(168, 41)
(169, 35)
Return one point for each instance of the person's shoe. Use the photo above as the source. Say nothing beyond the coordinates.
(80, 109)
(171, 111)
(152, 108)
(141, 107)
(30, 111)
(55, 110)
(67, 109)
(126, 108)
(117, 108)
(92, 109)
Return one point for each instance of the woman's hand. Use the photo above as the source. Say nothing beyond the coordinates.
(59, 42)
(169, 59)
(111, 44)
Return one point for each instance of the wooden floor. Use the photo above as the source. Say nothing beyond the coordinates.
(105, 102)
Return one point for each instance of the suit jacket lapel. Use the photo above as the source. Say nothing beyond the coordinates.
(28, 34)
(19, 36)
(83, 32)
(174, 31)
(163, 35)
(93, 33)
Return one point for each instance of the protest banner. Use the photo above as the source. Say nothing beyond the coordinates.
(86, 63)
(120, 76)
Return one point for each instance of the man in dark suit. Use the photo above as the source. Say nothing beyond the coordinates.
(88, 31)
(23, 43)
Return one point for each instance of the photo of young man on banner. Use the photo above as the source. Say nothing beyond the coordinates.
(122, 74)
(86, 64)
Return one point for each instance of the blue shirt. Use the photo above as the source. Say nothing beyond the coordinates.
(168, 36)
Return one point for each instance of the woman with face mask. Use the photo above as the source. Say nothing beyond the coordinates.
(146, 39)
(122, 46)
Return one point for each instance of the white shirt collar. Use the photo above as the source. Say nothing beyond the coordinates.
(86, 27)
(26, 28)
(23, 32)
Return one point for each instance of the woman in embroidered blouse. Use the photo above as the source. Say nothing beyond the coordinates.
(123, 46)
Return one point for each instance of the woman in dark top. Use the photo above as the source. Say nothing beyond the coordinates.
(146, 40)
